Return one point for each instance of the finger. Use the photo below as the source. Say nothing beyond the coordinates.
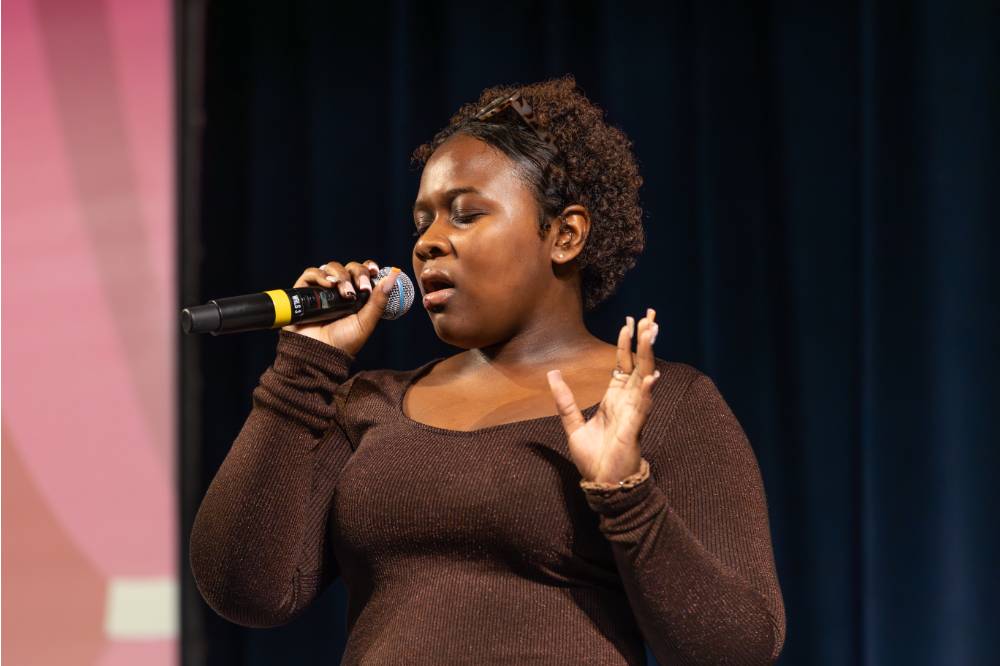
(623, 354)
(640, 328)
(336, 272)
(569, 413)
(359, 275)
(373, 268)
(330, 267)
(313, 276)
(646, 391)
(330, 271)
(632, 426)
(372, 311)
(644, 348)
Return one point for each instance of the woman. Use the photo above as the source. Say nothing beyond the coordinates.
(476, 514)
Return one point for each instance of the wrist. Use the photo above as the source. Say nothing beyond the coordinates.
(626, 483)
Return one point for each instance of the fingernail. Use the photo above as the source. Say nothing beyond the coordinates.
(389, 280)
(366, 283)
(631, 325)
(656, 374)
(656, 329)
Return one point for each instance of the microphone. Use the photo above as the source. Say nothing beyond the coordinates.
(280, 307)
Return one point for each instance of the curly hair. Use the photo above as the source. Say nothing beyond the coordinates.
(594, 167)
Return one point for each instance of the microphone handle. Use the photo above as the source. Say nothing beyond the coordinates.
(269, 309)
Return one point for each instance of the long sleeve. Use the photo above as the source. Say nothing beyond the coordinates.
(258, 547)
(692, 542)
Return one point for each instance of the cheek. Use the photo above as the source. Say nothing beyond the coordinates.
(506, 261)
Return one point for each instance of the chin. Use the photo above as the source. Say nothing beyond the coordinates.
(455, 333)
(447, 335)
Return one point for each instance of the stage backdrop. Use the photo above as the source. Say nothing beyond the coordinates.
(820, 191)
(89, 328)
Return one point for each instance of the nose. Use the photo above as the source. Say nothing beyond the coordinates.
(431, 244)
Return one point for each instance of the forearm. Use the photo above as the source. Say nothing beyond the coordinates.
(258, 541)
(691, 608)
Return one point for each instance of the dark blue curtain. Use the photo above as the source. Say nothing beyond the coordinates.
(820, 191)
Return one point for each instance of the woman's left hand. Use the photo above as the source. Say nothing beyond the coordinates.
(606, 448)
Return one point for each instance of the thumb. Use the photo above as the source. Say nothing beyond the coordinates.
(371, 312)
(569, 413)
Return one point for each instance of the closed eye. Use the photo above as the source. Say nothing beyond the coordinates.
(458, 219)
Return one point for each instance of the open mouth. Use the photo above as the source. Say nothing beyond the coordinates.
(436, 284)
(438, 289)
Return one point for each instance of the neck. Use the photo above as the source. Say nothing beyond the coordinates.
(554, 337)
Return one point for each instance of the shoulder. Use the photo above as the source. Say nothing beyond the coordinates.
(676, 374)
(687, 401)
(684, 382)
(697, 447)
(676, 380)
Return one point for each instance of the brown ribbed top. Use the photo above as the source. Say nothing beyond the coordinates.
(481, 547)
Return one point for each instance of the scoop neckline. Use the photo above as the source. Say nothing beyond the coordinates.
(419, 372)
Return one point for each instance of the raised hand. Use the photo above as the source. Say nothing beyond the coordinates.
(606, 448)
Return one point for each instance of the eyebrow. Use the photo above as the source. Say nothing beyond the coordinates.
(449, 196)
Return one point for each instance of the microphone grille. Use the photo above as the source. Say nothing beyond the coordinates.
(401, 296)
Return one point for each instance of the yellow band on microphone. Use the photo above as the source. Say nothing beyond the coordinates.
(282, 307)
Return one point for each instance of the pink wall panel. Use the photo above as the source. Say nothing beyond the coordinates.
(88, 333)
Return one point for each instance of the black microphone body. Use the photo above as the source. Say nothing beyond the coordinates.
(280, 307)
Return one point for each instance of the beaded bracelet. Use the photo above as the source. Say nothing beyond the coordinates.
(603, 488)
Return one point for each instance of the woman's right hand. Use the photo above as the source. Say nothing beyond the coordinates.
(351, 332)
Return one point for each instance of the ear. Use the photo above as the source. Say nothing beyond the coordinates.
(569, 233)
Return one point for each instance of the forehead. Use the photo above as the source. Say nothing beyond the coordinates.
(464, 161)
